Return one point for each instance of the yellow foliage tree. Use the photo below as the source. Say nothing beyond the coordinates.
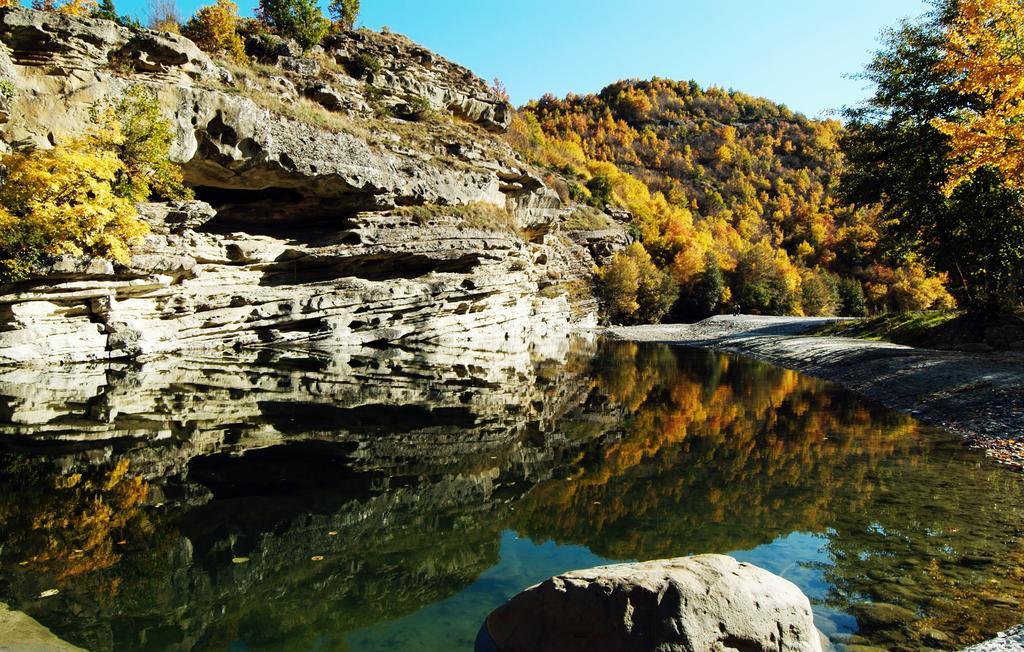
(983, 50)
(214, 28)
(62, 201)
(78, 7)
(634, 289)
(78, 198)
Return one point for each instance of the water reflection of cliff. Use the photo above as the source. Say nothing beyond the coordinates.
(287, 499)
(273, 499)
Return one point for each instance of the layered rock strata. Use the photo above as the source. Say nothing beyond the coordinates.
(303, 171)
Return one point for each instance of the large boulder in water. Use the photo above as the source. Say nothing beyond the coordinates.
(691, 604)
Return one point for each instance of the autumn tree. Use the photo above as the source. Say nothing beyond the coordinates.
(707, 290)
(62, 201)
(214, 28)
(851, 298)
(163, 16)
(344, 12)
(899, 159)
(819, 293)
(982, 53)
(69, 7)
(79, 197)
(766, 281)
(633, 289)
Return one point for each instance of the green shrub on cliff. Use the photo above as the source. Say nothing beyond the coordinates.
(344, 12)
(301, 20)
(142, 143)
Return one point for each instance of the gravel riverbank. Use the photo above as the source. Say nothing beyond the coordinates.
(977, 395)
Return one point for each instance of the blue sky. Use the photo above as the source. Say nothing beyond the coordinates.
(792, 51)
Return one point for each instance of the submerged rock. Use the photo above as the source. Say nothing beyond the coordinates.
(19, 631)
(875, 616)
(691, 604)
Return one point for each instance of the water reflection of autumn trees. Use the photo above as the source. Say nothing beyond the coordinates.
(714, 454)
(645, 452)
(718, 454)
(66, 525)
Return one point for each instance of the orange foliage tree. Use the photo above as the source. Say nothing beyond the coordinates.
(713, 172)
(214, 28)
(984, 54)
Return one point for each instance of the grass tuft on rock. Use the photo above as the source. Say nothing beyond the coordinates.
(588, 218)
(478, 215)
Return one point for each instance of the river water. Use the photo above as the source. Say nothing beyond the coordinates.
(389, 499)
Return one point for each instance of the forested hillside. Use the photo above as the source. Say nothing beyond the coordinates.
(733, 197)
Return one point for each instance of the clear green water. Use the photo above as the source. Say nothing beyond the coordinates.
(388, 500)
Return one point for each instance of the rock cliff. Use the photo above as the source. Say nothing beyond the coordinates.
(338, 201)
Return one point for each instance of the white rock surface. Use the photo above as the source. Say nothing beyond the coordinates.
(691, 604)
(1012, 640)
(304, 244)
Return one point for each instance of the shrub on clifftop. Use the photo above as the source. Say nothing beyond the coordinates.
(214, 29)
(301, 20)
(344, 12)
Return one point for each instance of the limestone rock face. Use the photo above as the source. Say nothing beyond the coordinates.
(235, 133)
(693, 604)
(296, 237)
(375, 278)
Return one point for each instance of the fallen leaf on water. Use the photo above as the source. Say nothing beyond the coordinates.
(317, 558)
(49, 593)
(122, 542)
(332, 534)
(239, 560)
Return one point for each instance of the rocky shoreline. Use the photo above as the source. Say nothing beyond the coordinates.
(979, 396)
